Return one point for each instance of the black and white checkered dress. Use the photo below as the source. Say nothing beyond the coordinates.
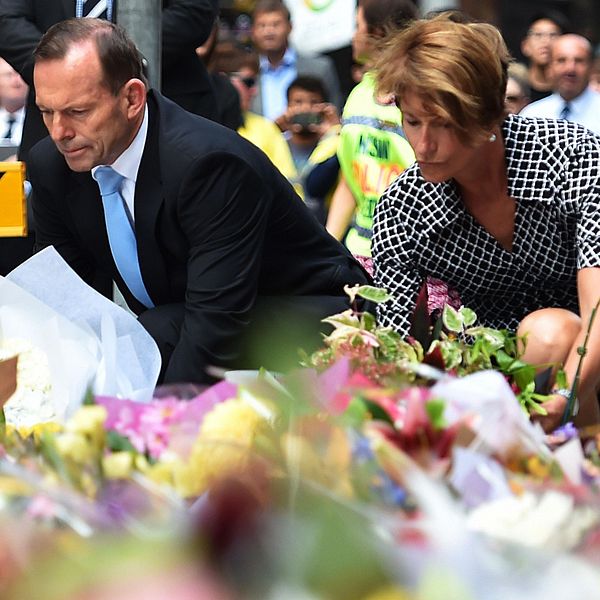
(422, 229)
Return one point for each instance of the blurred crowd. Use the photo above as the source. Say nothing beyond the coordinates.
(290, 104)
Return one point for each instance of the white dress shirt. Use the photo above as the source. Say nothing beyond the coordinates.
(17, 128)
(585, 109)
(128, 165)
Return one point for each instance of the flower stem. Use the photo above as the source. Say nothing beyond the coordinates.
(582, 351)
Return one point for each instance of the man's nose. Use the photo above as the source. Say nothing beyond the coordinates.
(59, 128)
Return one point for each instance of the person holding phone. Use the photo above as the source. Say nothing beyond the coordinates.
(311, 125)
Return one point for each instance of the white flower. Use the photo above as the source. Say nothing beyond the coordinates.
(31, 403)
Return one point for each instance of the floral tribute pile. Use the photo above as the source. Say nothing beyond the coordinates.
(379, 470)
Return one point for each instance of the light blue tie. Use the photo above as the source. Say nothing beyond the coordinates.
(565, 113)
(121, 235)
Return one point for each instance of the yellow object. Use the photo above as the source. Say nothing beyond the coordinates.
(117, 465)
(267, 136)
(13, 205)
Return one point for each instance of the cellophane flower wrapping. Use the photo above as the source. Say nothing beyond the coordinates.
(69, 342)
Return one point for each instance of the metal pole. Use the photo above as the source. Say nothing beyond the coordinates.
(142, 20)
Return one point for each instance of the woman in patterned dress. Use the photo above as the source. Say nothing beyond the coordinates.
(504, 210)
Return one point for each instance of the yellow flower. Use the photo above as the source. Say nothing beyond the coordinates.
(389, 593)
(117, 465)
(327, 463)
(89, 421)
(224, 444)
(74, 446)
(36, 430)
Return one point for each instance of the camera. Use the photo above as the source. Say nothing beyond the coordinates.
(306, 119)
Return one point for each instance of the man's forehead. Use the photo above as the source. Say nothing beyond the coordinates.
(270, 16)
(571, 47)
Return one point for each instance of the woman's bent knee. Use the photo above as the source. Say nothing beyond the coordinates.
(549, 334)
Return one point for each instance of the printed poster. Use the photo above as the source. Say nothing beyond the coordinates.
(321, 25)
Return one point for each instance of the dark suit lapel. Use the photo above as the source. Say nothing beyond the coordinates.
(148, 203)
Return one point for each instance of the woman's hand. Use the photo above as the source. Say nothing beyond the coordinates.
(555, 407)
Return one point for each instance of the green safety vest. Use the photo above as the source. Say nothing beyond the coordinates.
(372, 152)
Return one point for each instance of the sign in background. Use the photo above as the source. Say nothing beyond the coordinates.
(321, 25)
(13, 207)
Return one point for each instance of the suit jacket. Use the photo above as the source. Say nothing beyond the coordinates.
(315, 66)
(216, 226)
(186, 24)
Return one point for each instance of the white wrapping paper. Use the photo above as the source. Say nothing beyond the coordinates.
(90, 342)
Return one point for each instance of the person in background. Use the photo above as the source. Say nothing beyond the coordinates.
(595, 73)
(13, 96)
(312, 127)
(573, 98)
(505, 210)
(518, 92)
(280, 64)
(229, 112)
(185, 25)
(256, 128)
(543, 30)
(372, 150)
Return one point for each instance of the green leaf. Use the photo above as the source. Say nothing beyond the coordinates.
(378, 413)
(452, 319)
(561, 379)
(435, 411)
(88, 398)
(118, 443)
(538, 408)
(468, 316)
(345, 319)
(53, 458)
(374, 294)
(356, 412)
(494, 337)
(368, 321)
(504, 360)
(524, 378)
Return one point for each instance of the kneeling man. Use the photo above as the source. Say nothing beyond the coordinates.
(200, 232)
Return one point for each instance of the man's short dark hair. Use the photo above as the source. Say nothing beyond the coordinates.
(270, 6)
(558, 18)
(382, 15)
(119, 58)
(309, 84)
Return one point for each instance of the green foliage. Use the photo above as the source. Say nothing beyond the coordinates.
(435, 412)
(465, 348)
(118, 443)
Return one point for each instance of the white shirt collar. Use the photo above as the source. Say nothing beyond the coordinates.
(19, 115)
(128, 163)
(581, 102)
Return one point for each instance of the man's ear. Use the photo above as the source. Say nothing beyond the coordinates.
(525, 48)
(135, 97)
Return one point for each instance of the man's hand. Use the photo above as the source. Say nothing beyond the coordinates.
(329, 118)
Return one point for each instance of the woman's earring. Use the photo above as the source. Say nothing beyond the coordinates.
(492, 137)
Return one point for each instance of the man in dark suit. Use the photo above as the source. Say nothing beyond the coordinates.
(185, 25)
(218, 233)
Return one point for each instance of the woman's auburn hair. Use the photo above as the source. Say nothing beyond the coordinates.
(459, 70)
